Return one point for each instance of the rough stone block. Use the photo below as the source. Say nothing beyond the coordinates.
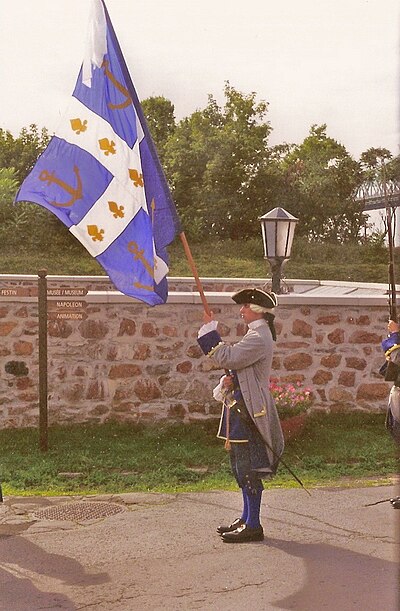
(347, 378)
(22, 348)
(322, 377)
(336, 336)
(365, 337)
(124, 370)
(302, 328)
(16, 368)
(331, 361)
(126, 327)
(59, 328)
(93, 329)
(375, 391)
(353, 362)
(147, 390)
(328, 319)
(149, 329)
(300, 360)
(7, 327)
(184, 367)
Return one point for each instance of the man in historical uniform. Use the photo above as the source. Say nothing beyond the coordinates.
(391, 371)
(249, 422)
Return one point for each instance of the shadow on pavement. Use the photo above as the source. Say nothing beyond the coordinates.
(22, 564)
(337, 578)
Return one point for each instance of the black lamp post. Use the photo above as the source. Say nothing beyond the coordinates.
(277, 228)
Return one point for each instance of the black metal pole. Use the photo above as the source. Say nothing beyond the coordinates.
(390, 233)
(42, 307)
(276, 273)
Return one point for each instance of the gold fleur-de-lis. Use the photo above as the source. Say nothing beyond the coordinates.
(78, 126)
(136, 178)
(118, 211)
(95, 233)
(108, 146)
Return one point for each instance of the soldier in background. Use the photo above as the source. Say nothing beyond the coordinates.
(391, 371)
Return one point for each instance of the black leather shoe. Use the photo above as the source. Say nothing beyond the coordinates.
(243, 534)
(227, 529)
(395, 502)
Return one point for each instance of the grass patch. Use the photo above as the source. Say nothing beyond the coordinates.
(336, 446)
(117, 458)
(231, 259)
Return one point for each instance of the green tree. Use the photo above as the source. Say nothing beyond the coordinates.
(160, 117)
(218, 162)
(379, 167)
(8, 187)
(318, 182)
(22, 152)
(17, 222)
(21, 224)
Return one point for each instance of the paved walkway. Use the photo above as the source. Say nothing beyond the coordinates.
(161, 552)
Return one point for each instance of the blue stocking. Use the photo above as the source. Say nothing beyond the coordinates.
(245, 511)
(254, 505)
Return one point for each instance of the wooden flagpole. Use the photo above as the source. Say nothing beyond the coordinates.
(194, 272)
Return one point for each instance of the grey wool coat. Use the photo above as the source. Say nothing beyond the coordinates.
(251, 358)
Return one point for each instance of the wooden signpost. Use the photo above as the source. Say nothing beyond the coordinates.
(42, 307)
(64, 303)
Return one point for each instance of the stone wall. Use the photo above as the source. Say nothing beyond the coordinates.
(130, 362)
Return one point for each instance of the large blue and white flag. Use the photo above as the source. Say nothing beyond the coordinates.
(101, 176)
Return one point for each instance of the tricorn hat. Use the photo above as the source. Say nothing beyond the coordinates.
(256, 296)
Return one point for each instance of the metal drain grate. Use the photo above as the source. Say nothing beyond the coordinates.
(78, 512)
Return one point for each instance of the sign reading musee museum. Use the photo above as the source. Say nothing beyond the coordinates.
(66, 292)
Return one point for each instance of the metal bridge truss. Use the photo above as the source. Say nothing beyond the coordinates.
(373, 194)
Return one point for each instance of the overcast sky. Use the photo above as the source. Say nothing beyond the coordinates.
(314, 61)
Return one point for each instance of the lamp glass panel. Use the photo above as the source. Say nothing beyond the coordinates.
(283, 228)
(270, 238)
(264, 240)
(290, 238)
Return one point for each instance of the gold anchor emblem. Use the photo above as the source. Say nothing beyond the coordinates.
(119, 86)
(118, 211)
(78, 126)
(76, 193)
(134, 249)
(146, 287)
(108, 146)
(136, 178)
(95, 233)
(153, 209)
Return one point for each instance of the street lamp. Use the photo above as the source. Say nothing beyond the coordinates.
(277, 228)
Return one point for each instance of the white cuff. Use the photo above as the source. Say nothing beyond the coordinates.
(218, 390)
(207, 328)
